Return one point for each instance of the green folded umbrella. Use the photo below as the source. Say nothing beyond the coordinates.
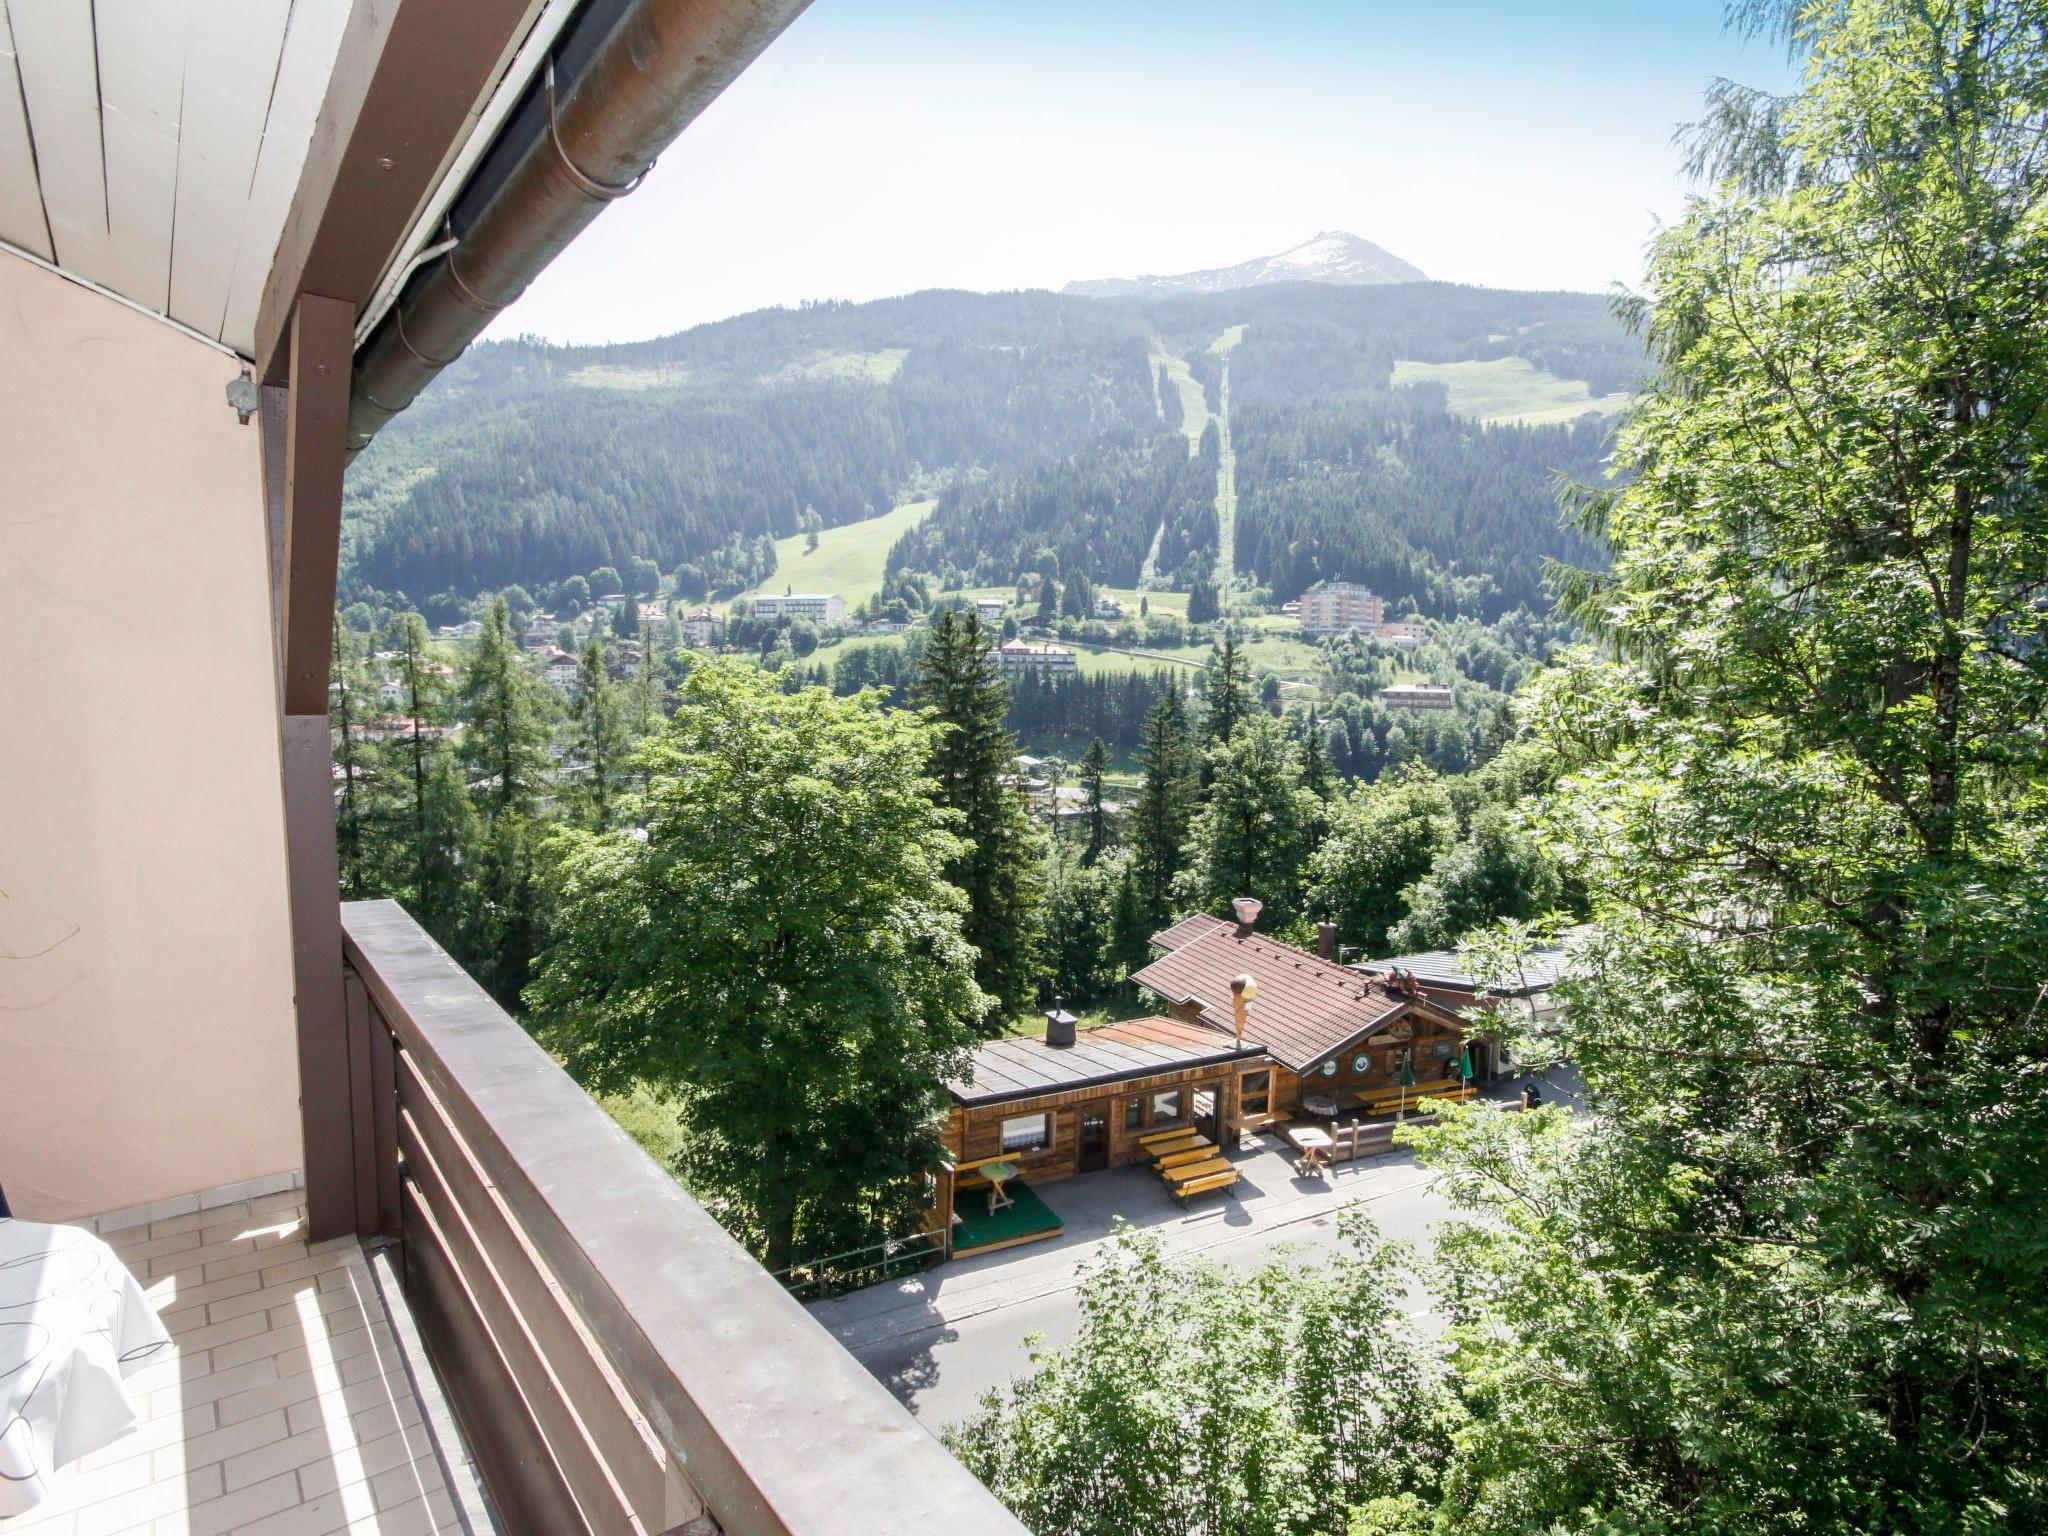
(1406, 1076)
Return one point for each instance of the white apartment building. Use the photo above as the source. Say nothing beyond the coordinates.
(700, 628)
(818, 607)
(1332, 607)
(1417, 696)
(1014, 656)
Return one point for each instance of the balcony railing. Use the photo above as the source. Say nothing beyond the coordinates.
(616, 1361)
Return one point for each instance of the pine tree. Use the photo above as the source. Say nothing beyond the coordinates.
(1165, 802)
(439, 822)
(973, 760)
(355, 761)
(1252, 837)
(504, 754)
(600, 737)
(504, 743)
(1226, 693)
(1093, 767)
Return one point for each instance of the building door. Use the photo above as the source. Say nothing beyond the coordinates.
(1208, 1113)
(1094, 1141)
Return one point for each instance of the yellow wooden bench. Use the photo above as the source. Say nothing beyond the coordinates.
(1167, 1135)
(1202, 1186)
(1179, 1143)
(1382, 1100)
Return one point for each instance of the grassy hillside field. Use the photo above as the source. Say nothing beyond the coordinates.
(849, 560)
(1509, 391)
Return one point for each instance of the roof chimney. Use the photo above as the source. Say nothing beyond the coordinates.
(1247, 909)
(1326, 941)
(1059, 1026)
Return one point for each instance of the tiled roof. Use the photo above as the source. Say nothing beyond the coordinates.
(1186, 931)
(1109, 1053)
(1305, 1009)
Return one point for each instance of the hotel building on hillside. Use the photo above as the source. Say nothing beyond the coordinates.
(818, 607)
(1418, 696)
(1333, 607)
(1014, 656)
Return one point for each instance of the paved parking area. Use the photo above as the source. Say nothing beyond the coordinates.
(940, 1339)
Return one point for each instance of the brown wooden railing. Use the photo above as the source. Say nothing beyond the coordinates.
(616, 1361)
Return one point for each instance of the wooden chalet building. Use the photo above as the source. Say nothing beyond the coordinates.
(1329, 1032)
(1078, 1100)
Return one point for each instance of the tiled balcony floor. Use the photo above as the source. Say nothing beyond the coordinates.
(282, 1410)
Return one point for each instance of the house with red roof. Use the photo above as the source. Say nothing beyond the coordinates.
(1313, 1039)
(1340, 1042)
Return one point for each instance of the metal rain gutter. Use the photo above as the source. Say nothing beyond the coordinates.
(597, 136)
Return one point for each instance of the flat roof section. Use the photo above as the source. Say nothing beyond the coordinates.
(1109, 1053)
(1447, 969)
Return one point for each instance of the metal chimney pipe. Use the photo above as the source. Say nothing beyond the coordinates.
(662, 64)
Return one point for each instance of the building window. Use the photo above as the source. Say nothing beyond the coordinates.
(1253, 1093)
(1025, 1132)
(1134, 1114)
(1166, 1107)
(1441, 1050)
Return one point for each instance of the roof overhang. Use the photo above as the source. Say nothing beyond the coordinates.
(206, 163)
(1409, 1007)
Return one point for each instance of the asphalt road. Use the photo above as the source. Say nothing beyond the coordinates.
(940, 1355)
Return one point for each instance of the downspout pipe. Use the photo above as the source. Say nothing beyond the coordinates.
(593, 139)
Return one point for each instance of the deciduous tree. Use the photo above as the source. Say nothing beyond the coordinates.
(783, 954)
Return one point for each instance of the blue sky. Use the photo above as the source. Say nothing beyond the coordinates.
(882, 146)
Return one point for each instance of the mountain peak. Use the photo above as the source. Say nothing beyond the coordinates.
(1333, 256)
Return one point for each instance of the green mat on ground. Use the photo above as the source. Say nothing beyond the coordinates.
(1025, 1216)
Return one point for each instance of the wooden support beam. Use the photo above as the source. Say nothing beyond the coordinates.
(309, 525)
(409, 78)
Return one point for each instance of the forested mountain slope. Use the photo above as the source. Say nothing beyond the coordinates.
(1035, 419)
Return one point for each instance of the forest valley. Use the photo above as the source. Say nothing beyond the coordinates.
(1784, 748)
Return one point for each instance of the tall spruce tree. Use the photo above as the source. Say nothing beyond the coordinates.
(439, 822)
(356, 762)
(504, 737)
(1226, 693)
(973, 759)
(1252, 837)
(504, 754)
(1093, 767)
(600, 736)
(1166, 802)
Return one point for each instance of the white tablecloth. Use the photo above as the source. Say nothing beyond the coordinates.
(73, 1324)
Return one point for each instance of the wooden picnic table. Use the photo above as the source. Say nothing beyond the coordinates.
(1167, 1135)
(1192, 1154)
(1188, 1173)
(998, 1174)
(1314, 1145)
(1178, 1143)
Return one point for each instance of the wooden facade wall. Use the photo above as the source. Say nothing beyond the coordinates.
(976, 1133)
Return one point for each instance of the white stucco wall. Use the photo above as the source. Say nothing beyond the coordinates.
(146, 1031)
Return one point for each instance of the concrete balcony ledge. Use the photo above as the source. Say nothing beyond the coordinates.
(614, 1359)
